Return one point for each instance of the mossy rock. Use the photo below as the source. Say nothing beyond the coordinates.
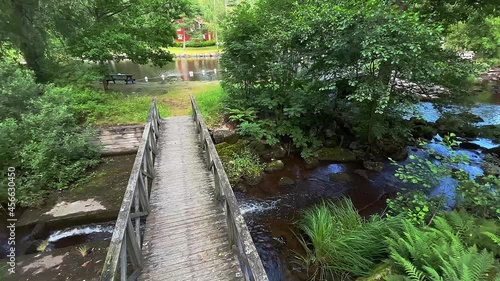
(450, 123)
(226, 150)
(286, 182)
(339, 177)
(336, 154)
(311, 163)
(254, 179)
(491, 132)
(274, 166)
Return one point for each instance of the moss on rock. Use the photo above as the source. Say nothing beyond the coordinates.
(274, 166)
(336, 154)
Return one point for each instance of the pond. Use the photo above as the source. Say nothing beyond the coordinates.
(181, 69)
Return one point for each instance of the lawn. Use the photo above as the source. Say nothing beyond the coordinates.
(194, 51)
(129, 104)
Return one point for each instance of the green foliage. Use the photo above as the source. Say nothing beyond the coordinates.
(243, 164)
(48, 148)
(45, 141)
(17, 88)
(337, 240)
(194, 44)
(436, 253)
(331, 61)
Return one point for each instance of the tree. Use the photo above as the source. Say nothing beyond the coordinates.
(94, 30)
(329, 63)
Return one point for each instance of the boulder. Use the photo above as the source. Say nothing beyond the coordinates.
(274, 166)
(273, 152)
(491, 132)
(470, 117)
(373, 166)
(424, 131)
(226, 150)
(225, 135)
(240, 187)
(469, 145)
(400, 155)
(494, 150)
(254, 179)
(491, 165)
(30, 247)
(453, 123)
(339, 177)
(362, 173)
(336, 154)
(311, 162)
(286, 182)
(40, 231)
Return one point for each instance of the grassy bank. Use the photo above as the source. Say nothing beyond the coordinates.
(129, 104)
(194, 51)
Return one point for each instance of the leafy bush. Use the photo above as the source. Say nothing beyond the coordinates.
(17, 88)
(338, 240)
(243, 164)
(47, 146)
(437, 253)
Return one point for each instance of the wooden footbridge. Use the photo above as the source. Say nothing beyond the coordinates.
(179, 219)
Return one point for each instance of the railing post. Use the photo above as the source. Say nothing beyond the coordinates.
(123, 260)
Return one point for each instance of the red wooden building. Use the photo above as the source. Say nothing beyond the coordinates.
(199, 24)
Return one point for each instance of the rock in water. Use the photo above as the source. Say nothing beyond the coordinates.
(336, 154)
(274, 166)
(286, 182)
(254, 179)
(311, 163)
(362, 173)
(339, 177)
(373, 166)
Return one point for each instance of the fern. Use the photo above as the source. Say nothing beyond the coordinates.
(438, 253)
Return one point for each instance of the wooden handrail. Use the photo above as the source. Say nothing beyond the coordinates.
(239, 235)
(126, 243)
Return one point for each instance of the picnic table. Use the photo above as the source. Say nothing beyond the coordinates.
(120, 77)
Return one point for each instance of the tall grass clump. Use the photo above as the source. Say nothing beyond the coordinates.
(339, 242)
(210, 102)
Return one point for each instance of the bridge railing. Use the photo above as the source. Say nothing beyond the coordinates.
(239, 235)
(124, 259)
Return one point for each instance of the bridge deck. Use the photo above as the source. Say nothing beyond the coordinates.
(186, 231)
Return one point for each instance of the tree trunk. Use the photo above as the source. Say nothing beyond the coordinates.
(184, 39)
(31, 38)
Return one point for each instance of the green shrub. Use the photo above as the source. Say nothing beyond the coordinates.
(194, 44)
(17, 88)
(47, 146)
(243, 164)
(338, 241)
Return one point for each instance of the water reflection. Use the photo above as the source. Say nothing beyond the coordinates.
(182, 69)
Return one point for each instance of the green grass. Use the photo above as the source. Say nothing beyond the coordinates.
(125, 109)
(129, 104)
(210, 101)
(194, 51)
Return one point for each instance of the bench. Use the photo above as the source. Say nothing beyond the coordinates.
(120, 77)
